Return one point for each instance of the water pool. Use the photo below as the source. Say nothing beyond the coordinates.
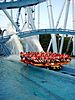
(21, 82)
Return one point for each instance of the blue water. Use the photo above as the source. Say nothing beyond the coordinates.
(21, 82)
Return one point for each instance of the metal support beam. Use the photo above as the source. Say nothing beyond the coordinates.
(60, 14)
(45, 31)
(73, 13)
(49, 5)
(30, 23)
(19, 3)
(49, 45)
(34, 40)
(18, 15)
(30, 18)
(54, 43)
(65, 24)
(38, 32)
(10, 18)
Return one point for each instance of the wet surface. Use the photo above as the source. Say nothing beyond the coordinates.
(69, 68)
(21, 82)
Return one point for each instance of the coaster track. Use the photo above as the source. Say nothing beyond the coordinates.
(5, 4)
(38, 32)
(46, 31)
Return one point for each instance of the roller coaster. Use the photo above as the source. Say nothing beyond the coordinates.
(29, 21)
(19, 81)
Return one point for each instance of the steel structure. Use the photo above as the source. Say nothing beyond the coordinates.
(10, 4)
(46, 31)
(73, 10)
(5, 4)
(38, 32)
(54, 43)
(22, 82)
(65, 24)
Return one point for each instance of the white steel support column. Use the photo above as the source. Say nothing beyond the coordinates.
(73, 12)
(65, 23)
(30, 23)
(10, 18)
(54, 43)
(60, 14)
(31, 26)
(49, 45)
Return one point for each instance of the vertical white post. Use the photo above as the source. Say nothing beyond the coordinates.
(54, 43)
(11, 16)
(30, 18)
(60, 14)
(73, 13)
(30, 22)
(31, 26)
(65, 23)
(49, 45)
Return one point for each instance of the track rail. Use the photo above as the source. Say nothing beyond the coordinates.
(5, 4)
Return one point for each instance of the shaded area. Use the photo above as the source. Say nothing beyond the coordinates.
(21, 82)
(44, 41)
(67, 46)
